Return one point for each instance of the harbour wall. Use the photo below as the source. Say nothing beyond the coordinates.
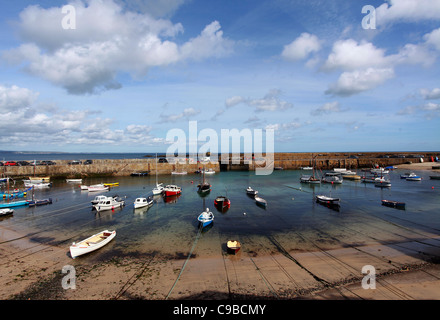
(287, 161)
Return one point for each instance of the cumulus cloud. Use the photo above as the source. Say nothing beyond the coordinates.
(270, 102)
(107, 41)
(408, 10)
(24, 122)
(350, 83)
(185, 114)
(433, 38)
(430, 94)
(301, 47)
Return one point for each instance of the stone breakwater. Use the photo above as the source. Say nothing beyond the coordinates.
(287, 161)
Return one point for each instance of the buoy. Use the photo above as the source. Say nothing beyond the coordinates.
(244, 213)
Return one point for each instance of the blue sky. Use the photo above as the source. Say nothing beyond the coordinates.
(130, 71)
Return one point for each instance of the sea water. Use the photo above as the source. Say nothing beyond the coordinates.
(292, 220)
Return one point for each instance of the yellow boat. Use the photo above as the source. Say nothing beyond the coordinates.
(114, 184)
(352, 177)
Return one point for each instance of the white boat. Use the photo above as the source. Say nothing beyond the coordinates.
(109, 204)
(74, 180)
(306, 168)
(159, 188)
(206, 218)
(379, 171)
(171, 190)
(309, 179)
(91, 243)
(39, 179)
(6, 211)
(347, 172)
(179, 172)
(251, 191)
(100, 198)
(97, 188)
(382, 183)
(209, 171)
(143, 202)
(260, 201)
(413, 177)
(333, 178)
(38, 185)
(340, 170)
(327, 200)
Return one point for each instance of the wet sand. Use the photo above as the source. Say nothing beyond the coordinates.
(404, 270)
(420, 166)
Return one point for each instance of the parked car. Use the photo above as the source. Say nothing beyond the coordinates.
(88, 162)
(163, 160)
(10, 163)
(23, 163)
(75, 162)
(47, 163)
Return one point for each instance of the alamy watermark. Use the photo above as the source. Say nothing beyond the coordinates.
(69, 20)
(369, 281)
(252, 146)
(369, 21)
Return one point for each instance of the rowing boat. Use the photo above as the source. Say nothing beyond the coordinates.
(233, 246)
(92, 243)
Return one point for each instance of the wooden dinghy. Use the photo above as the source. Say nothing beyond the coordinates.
(91, 243)
(233, 246)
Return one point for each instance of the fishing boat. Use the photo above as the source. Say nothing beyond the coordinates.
(143, 202)
(309, 179)
(109, 204)
(260, 201)
(206, 218)
(413, 177)
(251, 191)
(6, 212)
(326, 200)
(41, 202)
(394, 204)
(91, 243)
(204, 187)
(233, 246)
(74, 180)
(222, 202)
(171, 190)
(101, 198)
(14, 194)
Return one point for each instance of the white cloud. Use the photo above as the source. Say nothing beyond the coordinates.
(107, 41)
(408, 10)
(270, 102)
(301, 47)
(430, 94)
(15, 98)
(327, 108)
(433, 38)
(350, 83)
(185, 114)
(350, 55)
(429, 110)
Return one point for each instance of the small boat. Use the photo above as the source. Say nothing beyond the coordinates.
(113, 184)
(233, 246)
(39, 179)
(91, 243)
(33, 203)
(97, 188)
(179, 172)
(204, 187)
(14, 204)
(38, 185)
(434, 177)
(394, 204)
(158, 189)
(327, 200)
(351, 176)
(333, 178)
(340, 170)
(413, 177)
(379, 171)
(171, 190)
(209, 171)
(222, 202)
(370, 179)
(309, 179)
(382, 183)
(348, 173)
(260, 201)
(6, 212)
(109, 204)
(74, 180)
(140, 174)
(404, 176)
(306, 168)
(206, 218)
(143, 202)
(251, 191)
(101, 198)
(278, 168)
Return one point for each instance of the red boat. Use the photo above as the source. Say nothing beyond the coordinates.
(222, 202)
(233, 246)
(171, 190)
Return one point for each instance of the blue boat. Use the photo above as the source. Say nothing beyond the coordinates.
(206, 218)
(14, 204)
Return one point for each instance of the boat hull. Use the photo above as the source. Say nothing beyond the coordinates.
(394, 204)
(85, 246)
(233, 246)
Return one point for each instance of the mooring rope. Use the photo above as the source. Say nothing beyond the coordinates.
(186, 261)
